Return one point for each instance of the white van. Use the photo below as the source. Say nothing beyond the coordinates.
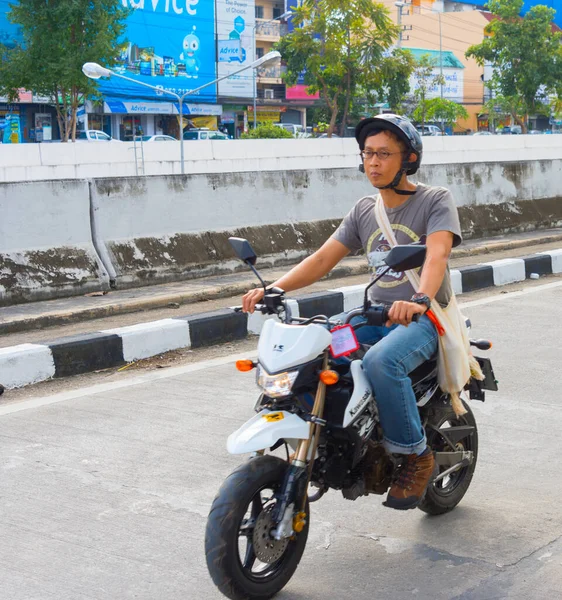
(297, 131)
(204, 134)
(92, 135)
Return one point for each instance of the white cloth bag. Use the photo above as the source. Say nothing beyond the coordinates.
(455, 362)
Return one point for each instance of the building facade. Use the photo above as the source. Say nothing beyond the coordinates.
(445, 30)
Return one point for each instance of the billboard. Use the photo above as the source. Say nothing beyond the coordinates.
(236, 21)
(453, 88)
(169, 44)
(10, 34)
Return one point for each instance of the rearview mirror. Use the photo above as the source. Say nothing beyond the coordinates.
(404, 258)
(243, 250)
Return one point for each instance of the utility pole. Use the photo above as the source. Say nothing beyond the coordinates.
(399, 6)
(441, 66)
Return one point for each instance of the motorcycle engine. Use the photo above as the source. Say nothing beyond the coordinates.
(335, 461)
(377, 468)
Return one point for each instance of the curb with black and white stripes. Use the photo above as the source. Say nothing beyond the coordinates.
(31, 363)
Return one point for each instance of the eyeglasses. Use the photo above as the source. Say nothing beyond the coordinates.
(381, 154)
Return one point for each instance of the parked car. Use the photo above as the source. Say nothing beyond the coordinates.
(482, 133)
(535, 132)
(510, 130)
(429, 130)
(156, 138)
(93, 135)
(204, 134)
(297, 131)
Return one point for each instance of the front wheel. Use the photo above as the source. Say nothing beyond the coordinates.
(244, 560)
(443, 496)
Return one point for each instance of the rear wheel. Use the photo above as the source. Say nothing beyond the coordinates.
(245, 561)
(444, 495)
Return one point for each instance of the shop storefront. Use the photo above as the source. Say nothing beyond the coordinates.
(124, 119)
(266, 114)
(234, 119)
(36, 122)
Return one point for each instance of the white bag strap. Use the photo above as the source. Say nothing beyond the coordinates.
(384, 224)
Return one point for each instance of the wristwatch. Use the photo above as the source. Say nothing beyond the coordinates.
(421, 299)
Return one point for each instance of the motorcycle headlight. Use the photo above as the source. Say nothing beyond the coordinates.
(276, 386)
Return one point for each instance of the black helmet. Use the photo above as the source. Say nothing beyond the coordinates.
(400, 126)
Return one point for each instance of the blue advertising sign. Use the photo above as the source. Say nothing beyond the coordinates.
(10, 34)
(169, 44)
(231, 51)
(12, 130)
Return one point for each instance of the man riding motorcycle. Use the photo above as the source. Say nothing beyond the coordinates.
(391, 149)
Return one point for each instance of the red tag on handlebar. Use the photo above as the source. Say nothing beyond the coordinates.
(344, 341)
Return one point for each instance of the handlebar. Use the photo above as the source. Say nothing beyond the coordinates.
(376, 315)
(258, 308)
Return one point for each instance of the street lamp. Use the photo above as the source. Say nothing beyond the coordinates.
(95, 71)
(286, 15)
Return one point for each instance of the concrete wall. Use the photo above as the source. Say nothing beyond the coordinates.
(161, 229)
(55, 235)
(34, 162)
(46, 244)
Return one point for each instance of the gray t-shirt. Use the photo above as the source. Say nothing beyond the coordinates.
(429, 210)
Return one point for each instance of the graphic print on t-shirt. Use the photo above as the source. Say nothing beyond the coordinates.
(378, 249)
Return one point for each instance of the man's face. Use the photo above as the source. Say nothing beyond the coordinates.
(381, 171)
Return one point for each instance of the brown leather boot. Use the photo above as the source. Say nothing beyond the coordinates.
(414, 476)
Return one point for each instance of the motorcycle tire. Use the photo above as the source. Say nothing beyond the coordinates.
(230, 573)
(443, 496)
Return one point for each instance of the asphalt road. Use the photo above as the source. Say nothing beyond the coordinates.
(105, 488)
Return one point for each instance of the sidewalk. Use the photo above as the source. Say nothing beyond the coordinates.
(194, 295)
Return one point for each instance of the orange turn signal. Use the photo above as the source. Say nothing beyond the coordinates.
(329, 377)
(245, 365)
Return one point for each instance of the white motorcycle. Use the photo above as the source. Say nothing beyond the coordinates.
(317, 403)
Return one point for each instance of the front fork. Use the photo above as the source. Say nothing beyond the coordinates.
(294, 490)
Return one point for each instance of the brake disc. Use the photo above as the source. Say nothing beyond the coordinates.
(266, 548)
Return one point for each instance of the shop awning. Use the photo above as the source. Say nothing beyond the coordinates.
(144, 107)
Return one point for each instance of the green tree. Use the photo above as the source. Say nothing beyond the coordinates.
(337, 46)
(426, 79)
(391, 81)
(525, 53)
(59, 36)
(556, 110)
(500, 107)
(267, 131)
(445, 111)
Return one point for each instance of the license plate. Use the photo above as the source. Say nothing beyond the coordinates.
(344, 341)
(490, 382)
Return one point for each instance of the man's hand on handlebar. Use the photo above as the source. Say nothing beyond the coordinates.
(401, 312)
(250, 299)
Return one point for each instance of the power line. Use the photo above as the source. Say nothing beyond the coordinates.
(448, 37)
(450, 16)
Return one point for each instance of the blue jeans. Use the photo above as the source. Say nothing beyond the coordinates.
(396, 352)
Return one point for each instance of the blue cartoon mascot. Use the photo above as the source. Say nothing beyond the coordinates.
(191, 45)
